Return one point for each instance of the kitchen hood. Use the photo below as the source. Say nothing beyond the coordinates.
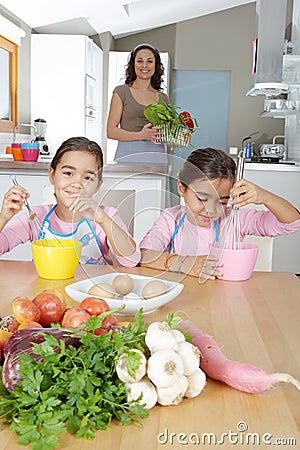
(267, 48)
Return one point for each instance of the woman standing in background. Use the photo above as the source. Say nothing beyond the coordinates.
(126, 121)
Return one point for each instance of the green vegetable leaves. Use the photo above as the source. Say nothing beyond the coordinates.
(72, 389)
(162, 113)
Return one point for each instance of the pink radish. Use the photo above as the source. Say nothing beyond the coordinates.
(244, 377)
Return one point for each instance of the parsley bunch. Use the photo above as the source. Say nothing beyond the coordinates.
(73, 389)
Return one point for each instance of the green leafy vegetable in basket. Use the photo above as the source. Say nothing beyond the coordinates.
(176, 129)
(163, 113)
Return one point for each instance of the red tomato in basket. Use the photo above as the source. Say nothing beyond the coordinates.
(187, 119)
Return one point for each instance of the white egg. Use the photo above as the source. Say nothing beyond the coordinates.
(103, 290)
(154, 289)
(123, 284)
(131, 296)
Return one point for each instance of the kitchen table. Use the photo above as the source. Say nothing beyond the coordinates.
(255, 321)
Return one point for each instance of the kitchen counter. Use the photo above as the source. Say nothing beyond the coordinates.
(114, 167)
(251, 321)
(276, 167)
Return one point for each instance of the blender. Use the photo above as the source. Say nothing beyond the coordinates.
(41, 126)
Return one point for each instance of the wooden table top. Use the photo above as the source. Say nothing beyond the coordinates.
(255, 321)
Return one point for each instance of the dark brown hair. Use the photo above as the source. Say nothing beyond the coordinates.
(79, 143)
(156, 79)
(207, 162)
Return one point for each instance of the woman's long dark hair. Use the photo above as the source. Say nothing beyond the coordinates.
(156, 79)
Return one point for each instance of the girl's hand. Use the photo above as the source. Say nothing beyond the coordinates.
(13, 202)
(244, 192)
(205, 267)
(87, 208)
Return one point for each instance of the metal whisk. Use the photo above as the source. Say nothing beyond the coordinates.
(235, 212)
(34, 221)
(233, 221)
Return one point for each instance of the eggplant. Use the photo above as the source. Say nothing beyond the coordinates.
(22, 342)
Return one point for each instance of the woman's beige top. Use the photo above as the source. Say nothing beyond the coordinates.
(132, 118)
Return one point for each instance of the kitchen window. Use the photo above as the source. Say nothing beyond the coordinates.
(8, 85)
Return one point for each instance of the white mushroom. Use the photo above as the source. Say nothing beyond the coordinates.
(145, 388)
(173, 394)
(190, 355)
(131, 366)
(159, 336)
(164, 367)
(196, 383)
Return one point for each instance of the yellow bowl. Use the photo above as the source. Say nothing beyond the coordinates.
(55, 261)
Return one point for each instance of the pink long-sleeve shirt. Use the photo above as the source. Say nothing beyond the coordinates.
(18, 231)
(193, 240)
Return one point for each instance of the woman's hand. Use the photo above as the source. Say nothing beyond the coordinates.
(150, 134)
(244, 192)
(13, 202)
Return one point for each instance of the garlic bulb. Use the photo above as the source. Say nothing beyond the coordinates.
(196, 383)
(173, 394)
(145, 388)
(164, 367)
(134, 358)
(190, 355)
(178, 335)
(159, 336)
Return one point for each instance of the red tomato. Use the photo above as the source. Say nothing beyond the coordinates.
(94, 306)
(187, 119)
(24, 310)
(100, 331)
(107, 323)
(74, 317)
(50, 307)
(58, 294)
(30, 324)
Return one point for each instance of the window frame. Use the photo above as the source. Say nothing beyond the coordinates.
(7, 126)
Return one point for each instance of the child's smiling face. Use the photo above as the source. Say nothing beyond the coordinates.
(205, 199)
(77, 170)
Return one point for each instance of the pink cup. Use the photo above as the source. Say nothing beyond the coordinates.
(238, 264)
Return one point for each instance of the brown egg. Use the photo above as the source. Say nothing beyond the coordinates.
(123, 284)
(153, 289)
(103, 290)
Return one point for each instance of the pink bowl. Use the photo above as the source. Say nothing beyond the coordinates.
(238, 264)
(30, 154)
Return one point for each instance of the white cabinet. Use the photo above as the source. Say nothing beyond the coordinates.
(66, 86)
